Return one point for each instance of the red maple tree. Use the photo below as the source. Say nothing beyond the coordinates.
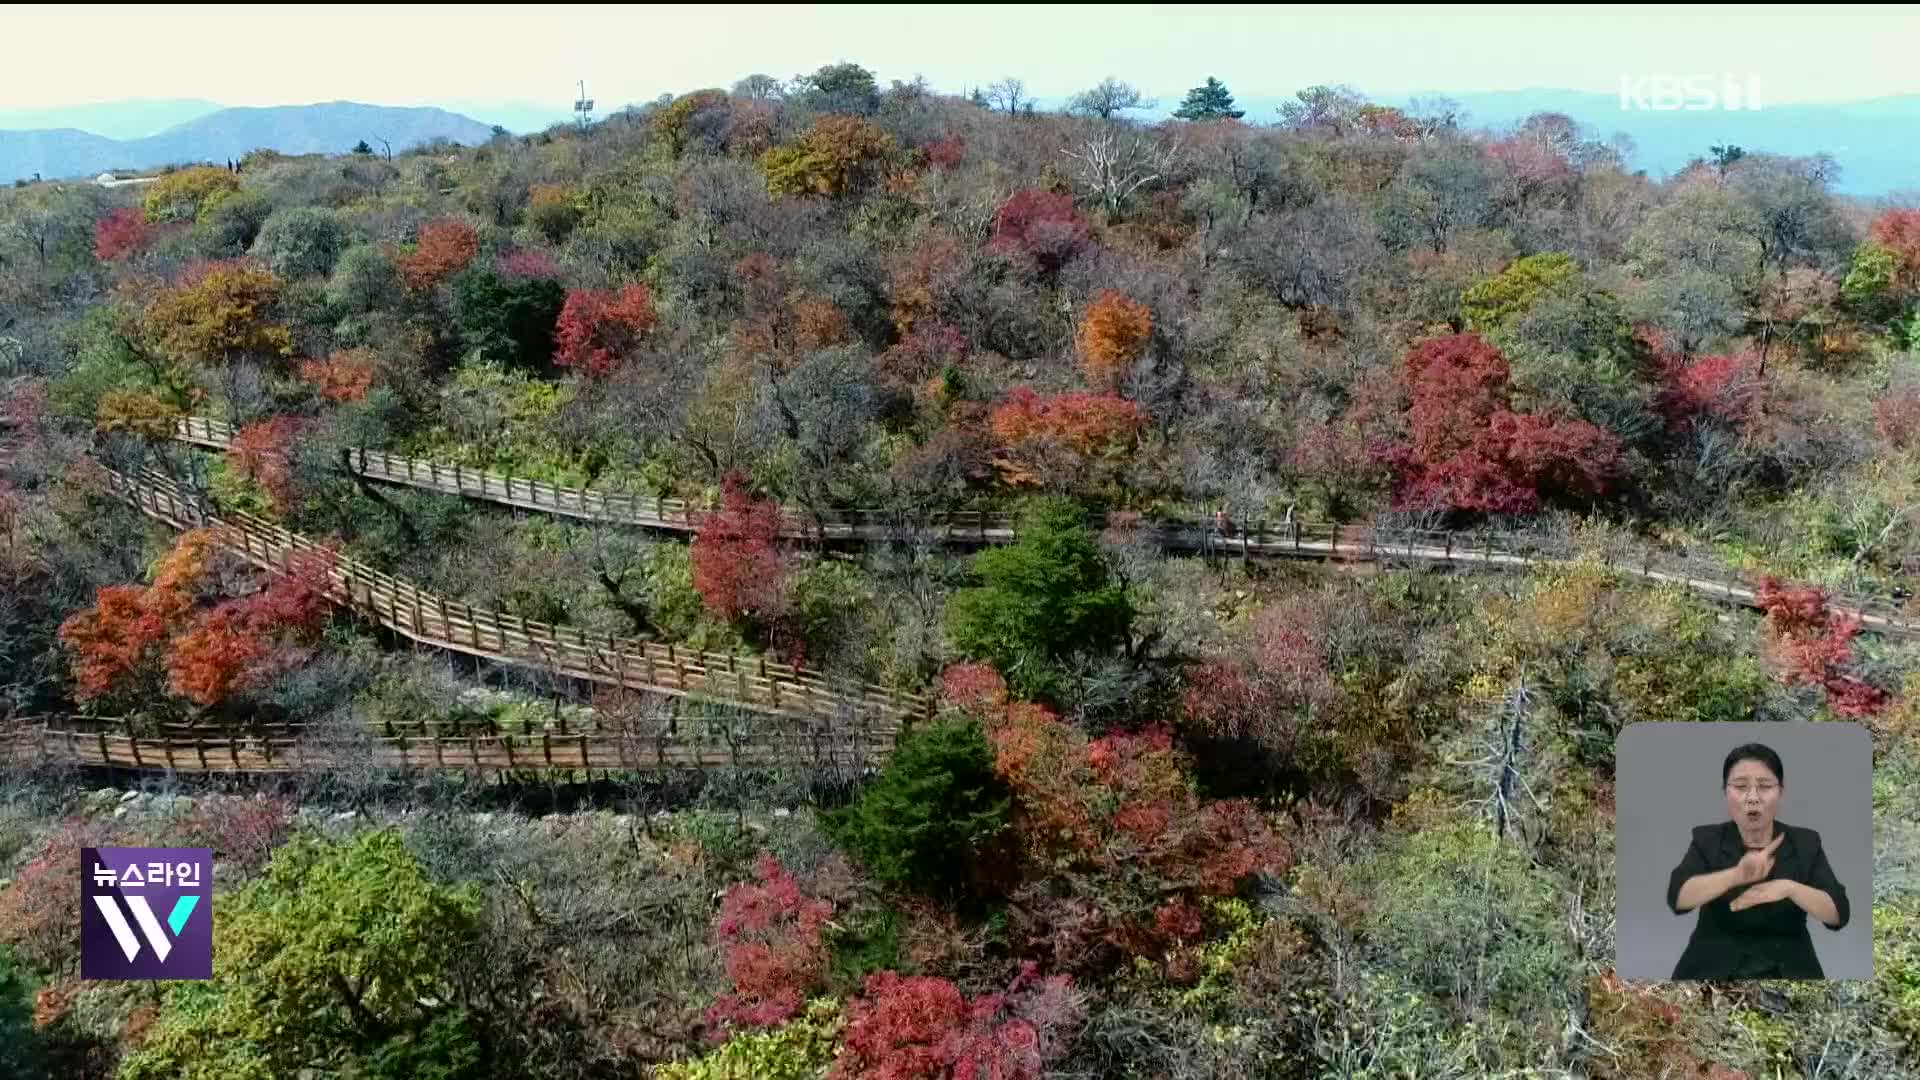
(345, 376)
(241, 642)
(1119, 821)
(770, 939)
(921, 1027)
(1040, 227)
(1468, 450)
(597, 328)
(263, 452)
(1899, 232)
(738, 566)
(1813, 645)
(120, 233)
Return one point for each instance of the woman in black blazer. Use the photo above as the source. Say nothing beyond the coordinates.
(1755, 881)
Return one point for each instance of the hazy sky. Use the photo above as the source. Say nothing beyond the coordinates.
(400, 55)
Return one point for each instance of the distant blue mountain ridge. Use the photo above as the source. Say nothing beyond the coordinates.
(332, 127)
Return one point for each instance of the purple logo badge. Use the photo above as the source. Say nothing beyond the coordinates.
(146, 913)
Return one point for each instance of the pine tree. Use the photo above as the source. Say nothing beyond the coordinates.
(1209, 102)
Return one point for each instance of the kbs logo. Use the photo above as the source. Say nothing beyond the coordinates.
(125, 891)
(1689, 93)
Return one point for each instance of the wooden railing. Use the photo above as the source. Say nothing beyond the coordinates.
(1258, 539)
(406, 609)
(76, 741)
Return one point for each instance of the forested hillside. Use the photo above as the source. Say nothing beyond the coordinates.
(778, 773)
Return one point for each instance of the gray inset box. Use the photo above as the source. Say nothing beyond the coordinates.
(1668, 783)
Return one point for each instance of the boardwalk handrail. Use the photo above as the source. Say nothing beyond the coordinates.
(1260, 538)
(416, 613)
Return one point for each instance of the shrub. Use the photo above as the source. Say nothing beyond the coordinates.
(770, 937)
(1040, 227)
(40, 908)
(800, 1049)
(1461, 914)
(301, 241)
(931, 813)
(905, 1028)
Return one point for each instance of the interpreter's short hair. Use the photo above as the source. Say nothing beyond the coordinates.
(1753, 751)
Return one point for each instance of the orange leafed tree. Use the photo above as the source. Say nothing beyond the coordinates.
(1057, 440)
(1113, 336)
(132, 633)
(218, 312)
(1899, 232)
(345, 375)
(125, 627)
(446, 245)
(239, 642)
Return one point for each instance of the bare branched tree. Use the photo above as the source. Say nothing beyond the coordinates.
(1112, 165)
(1109, 97)
(1009, 94)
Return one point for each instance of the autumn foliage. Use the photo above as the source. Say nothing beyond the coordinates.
(241, 642)
(132, 631)
(921, 1027)
(1054, 439)
(122, 632)
(262, 452)
(1130, 846)
(1812, 646)
(40, 907)
(445, 247)
(598, 327)
(1896, 418)
(738, 567)
(1899, 232)
(770, 939)
(219, 310)
(343, 376)
(1113, 335)
(1469, 451)
(1041, 227)
(1725, 388)
(120, 233)
(837, 155)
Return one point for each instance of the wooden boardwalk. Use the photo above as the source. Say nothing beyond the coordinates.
(42, 741)
(1259, 539)
(750, 683)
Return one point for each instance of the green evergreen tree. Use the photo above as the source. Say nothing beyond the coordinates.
(361, 147)
(1209, 102)
(506, 320)
(1044, 597)
(931, 812)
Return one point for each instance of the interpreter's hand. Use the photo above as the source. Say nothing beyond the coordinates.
(1764, 893)
(1757, 864)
